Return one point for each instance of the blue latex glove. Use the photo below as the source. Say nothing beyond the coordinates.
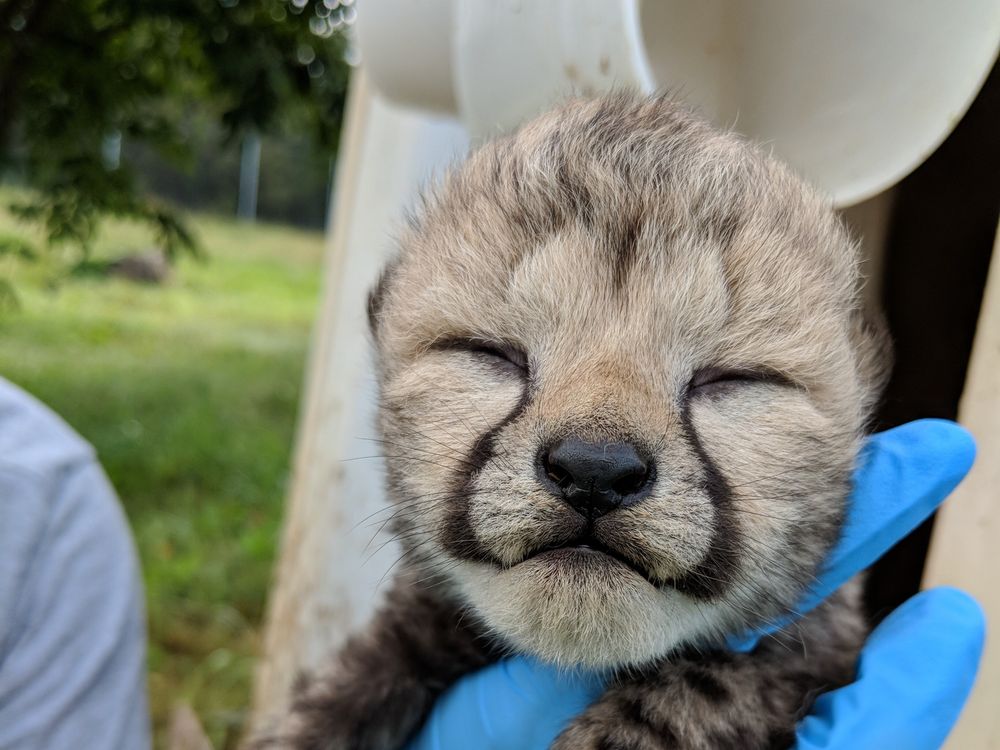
(915, 671)
(914, 675)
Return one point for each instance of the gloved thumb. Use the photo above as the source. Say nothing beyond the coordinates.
(914, 675)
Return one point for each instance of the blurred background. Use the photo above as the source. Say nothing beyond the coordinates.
(165, 173)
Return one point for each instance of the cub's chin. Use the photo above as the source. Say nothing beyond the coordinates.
(579, 607)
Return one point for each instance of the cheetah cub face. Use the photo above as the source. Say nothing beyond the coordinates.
(623, 377)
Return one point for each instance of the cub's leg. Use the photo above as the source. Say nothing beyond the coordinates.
(384, 680)
(726, 701)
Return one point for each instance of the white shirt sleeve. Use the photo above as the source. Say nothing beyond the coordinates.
(72, 626)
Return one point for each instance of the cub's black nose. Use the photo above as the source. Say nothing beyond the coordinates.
(595, 478)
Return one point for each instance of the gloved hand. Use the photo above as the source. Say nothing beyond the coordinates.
(914, 674)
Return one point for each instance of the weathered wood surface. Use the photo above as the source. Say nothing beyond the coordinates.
(330, 566)
(186, 732)
(965, 548)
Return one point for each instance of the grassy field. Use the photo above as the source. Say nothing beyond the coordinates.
(189, 392)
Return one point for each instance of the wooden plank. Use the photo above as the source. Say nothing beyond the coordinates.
(186, 732)
(967, 532)
(329, 565)
(276, 669)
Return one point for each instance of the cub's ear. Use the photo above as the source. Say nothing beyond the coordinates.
(873, 344)
(376, 296)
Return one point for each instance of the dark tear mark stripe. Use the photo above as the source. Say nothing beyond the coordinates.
(458, 537)
(715, 572)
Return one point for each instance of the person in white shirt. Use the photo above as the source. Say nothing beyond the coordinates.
(72, 622)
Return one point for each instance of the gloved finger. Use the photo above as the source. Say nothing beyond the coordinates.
(903, 475)
(914, 676)
(516, 704)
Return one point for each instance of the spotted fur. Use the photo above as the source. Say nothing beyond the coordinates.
(616, 270)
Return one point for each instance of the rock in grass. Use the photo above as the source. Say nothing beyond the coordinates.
(149, 266)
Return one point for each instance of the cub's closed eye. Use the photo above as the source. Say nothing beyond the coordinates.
(716, 378)
(500, 354)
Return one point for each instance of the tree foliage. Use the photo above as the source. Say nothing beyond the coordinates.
(74, 75)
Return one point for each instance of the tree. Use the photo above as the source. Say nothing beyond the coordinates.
(76, 76)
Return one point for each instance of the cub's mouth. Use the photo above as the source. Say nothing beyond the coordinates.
(586, 549)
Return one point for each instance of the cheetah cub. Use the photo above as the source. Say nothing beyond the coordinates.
(624, 375)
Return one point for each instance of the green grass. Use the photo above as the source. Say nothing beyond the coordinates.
(189, 392)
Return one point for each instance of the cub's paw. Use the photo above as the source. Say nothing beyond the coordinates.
(621, 720)
(685, 706)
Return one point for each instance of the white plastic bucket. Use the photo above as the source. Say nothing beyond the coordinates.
(854, 93)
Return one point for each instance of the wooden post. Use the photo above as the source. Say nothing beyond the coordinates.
(967, 531)
(329, 566)
(246, 199)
